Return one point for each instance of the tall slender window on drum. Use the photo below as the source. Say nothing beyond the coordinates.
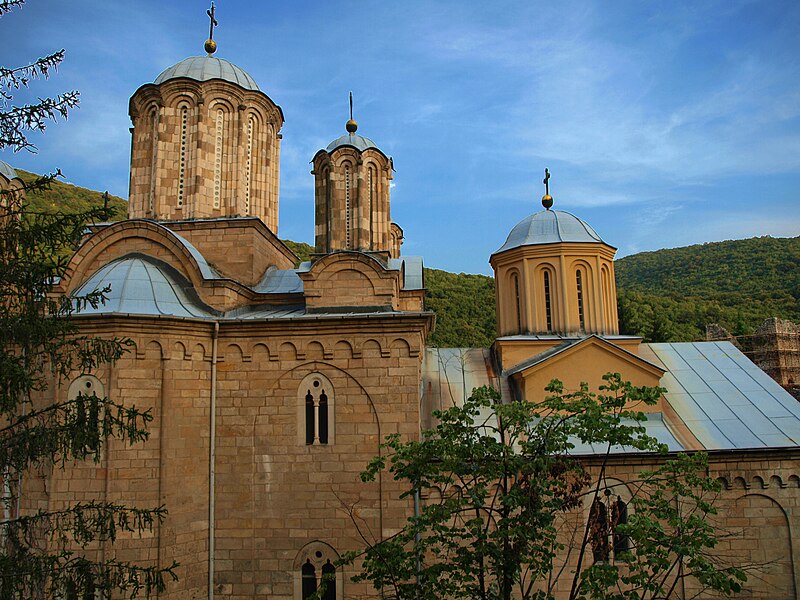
(153, 163)
(347, 212)
(248, 168)
(218, 158)
(517, 304)
(182, 161)
(371, 200)
(548, 309)
(579, 281)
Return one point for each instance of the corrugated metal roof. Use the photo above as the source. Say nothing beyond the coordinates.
(724, 399)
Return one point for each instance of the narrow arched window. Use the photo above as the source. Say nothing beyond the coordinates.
(310, 420)
(316, 410)
(329, 581)
(371, 182)
(322, 417)
(348, 212)
(218, 142)
(579, 284)
(182, 159)
(248, 165)
(598, 530)
(326, 194)
(309, 578)
(619, 516)
(517, 303)
(151, 199)
(548, 309)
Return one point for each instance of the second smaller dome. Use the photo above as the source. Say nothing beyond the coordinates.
(358, 142)
(549, 227)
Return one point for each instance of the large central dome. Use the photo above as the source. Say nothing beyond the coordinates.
(206, 68)
(550, 227)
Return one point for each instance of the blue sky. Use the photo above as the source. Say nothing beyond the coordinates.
(663, 124)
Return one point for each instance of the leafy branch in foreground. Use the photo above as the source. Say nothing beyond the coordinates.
(506, 502)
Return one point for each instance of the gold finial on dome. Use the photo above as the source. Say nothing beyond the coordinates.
(547, 199)
(351, 125)
(211, 46)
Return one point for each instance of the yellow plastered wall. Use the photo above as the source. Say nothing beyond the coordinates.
(587, 362)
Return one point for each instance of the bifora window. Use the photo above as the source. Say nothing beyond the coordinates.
(317, 410)
(315, 571)
(605, 517)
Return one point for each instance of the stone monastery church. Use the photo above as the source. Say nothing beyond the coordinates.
(272, 384)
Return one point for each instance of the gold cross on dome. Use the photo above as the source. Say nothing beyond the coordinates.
(214, 22)
(546, 181)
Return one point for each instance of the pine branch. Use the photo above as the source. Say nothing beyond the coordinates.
(72, 430)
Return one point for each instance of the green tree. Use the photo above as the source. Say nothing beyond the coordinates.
(46, 553)
(504, 515)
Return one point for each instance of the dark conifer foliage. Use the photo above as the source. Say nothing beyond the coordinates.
(52, 553)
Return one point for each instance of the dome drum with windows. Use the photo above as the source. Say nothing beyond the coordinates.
(555, 276)
(352, 181)
(206, 144)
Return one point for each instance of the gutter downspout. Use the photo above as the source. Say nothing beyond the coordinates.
(212, 454)
(417, 539)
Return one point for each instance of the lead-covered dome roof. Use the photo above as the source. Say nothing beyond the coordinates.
(206, 68)
(359, 142)
(141, 285)
(549, 227)
(7, 171)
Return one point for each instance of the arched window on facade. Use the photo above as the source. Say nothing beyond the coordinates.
(316, 410)
(517, 302)
(89, 386)
(606, 515)
(315, 570)
(579, 286)
(548, 307)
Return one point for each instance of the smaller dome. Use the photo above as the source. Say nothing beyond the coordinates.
(550, 227)
(359, 142)
(7, 171)
(206, 68)
(141, 285)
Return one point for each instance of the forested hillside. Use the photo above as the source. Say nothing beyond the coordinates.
(69, 198)
(670, 295)
(464, 307)
(667, 295)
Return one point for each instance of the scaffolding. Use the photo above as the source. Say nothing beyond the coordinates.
(774, 347)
